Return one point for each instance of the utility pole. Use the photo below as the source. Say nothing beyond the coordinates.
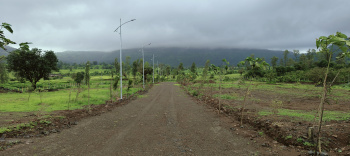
(121, 75)
(153, 68)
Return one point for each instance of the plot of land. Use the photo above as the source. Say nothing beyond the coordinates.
(165, 122)
(283, 111)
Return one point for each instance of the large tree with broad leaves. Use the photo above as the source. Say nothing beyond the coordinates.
(33, 64)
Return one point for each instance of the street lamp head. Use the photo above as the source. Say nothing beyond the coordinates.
(123, 24)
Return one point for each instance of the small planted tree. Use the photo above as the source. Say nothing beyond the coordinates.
(180, 69)
(129, 86)
(255, 66)
(274, 60)
(87, 79)
(78, 77)
(342, 41)
(193, 70)
(3, 73)
(247, 93)
(206, 70)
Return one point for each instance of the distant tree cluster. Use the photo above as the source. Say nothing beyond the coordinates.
(310, 66)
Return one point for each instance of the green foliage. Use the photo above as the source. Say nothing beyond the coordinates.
(274, 60)
(116, 65)
(276, 105)
(340, 40)
(288, 137)
(45, 122)
(271, 76)
(3, 40)
(309, 116)
(5, 129)
(211, 76)
(300, 140)
(32, 64)
(309, 144)
(87, 73)
(134, 69)
(194, 93)
(285, 57)
(180, 69)
(193, 68)
(167, 70)
(127, 66)
(226, 64)
(255, 67)
(78, 77)
(129, 84)
(116, 82)
(3, 73)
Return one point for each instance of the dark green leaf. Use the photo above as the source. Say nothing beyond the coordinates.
(7, 27)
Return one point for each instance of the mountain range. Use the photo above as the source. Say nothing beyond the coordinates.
(171, 56)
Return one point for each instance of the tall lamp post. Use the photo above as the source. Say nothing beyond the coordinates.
(143, 65)
(153, 68)
(121, 75)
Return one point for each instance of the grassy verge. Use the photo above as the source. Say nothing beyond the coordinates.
(309, 116)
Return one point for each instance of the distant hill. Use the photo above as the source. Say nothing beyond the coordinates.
(171, 56)
(8, 49)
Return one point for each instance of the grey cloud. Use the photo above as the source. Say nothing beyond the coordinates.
(89, 24)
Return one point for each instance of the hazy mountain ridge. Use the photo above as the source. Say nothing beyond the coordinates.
(8, 49)
(171, 56)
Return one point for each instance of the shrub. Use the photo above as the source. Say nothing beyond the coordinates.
(195, 93)
(226, 78)
(211, 76)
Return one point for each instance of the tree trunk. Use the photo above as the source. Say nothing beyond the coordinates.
(243, 106)
(33, 85)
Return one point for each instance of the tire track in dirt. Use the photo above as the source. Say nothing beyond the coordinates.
(116, 139)
(172, 123)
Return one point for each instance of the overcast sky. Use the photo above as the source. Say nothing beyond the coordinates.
(88, 25)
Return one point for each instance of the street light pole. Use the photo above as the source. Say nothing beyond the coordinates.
(120, 55)
(153, 68)
(143, 65)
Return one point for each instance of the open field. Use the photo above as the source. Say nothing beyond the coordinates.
(282, 111)
(55, 95)
(165, 122)
(291, 108)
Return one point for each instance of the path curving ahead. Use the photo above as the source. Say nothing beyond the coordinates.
(164, 122)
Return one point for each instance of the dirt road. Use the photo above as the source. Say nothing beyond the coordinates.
(164, 122)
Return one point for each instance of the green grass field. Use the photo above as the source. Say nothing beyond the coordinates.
(290, 90)
(59, 100)
(309, 116)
